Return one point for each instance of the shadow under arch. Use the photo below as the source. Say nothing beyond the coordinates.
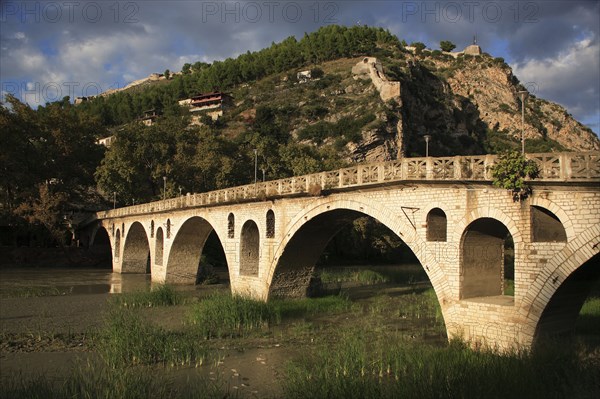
(483, 261)
(310, 232)
(100, 248)
(567, 223)
(560, 314)
(183, 265)
(136, 251)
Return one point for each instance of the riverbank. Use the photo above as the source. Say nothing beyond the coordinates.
(372, 339)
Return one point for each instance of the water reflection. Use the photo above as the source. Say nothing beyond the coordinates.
(76, 281)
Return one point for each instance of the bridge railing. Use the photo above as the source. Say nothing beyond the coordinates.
(580, 166)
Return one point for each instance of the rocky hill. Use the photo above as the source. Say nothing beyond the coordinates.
(376, 104)
(478, 94)
(468, 104)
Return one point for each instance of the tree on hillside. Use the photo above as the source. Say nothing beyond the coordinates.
(328, 43)
(447, 45)
(135, 164)
(419, 47)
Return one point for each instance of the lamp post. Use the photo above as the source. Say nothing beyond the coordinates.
(427, 138)
(263, 170)
(114, 200)
(255, 165)
(164, 188)
(523, 94)
(180, 191)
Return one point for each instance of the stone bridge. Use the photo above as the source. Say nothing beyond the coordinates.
(446, 210)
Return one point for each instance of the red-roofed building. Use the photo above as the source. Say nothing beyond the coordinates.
(217, 101)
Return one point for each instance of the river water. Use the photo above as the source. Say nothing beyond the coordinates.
(104, 281)
(75, 281)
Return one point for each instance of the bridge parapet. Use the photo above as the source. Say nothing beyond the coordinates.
(580, 166)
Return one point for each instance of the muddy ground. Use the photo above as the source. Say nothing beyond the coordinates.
(50, 335)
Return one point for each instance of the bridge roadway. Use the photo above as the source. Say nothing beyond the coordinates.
(446, 210)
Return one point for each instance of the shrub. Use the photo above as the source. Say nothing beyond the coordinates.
(447, 45)
(510, 172)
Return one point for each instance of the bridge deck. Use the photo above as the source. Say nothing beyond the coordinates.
(554, 167)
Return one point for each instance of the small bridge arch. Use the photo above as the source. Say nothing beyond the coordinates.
(136, 250)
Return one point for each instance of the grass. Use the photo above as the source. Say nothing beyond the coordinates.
(128, 339)
(93, 381)
(30, 292)
(224, 315)
(367, 366)
(162, 295)
(509, 287)
(390, 345)
(588, 321)
(365, 276)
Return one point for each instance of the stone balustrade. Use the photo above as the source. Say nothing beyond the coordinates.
(573, 166)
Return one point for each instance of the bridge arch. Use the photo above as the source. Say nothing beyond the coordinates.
(186, 250)
(567, 224)
(249, 249)
(482, 258)
(555, 297)
(307, 235)
(231, 225)
(100, 246)
(270, 224)
(492, 213)
(159, 246)
(437, 225)
(117, 249)
(136, 250)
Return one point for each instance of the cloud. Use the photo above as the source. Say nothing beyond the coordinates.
(130, 40)
(570, 78)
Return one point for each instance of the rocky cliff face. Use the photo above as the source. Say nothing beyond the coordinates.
(469, 104)
(373, 109)
(492, 88)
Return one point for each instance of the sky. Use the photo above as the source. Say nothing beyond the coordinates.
(50, 49)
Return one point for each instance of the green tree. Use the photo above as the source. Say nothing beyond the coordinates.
(135, 164)
(419, 47)
(447, 45)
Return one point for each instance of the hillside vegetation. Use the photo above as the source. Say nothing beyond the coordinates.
(468, 104)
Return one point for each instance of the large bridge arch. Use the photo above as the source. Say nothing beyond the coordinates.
(186, 250)
(136, 250)
(309, 232)
(555, 297)
(100, 246)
